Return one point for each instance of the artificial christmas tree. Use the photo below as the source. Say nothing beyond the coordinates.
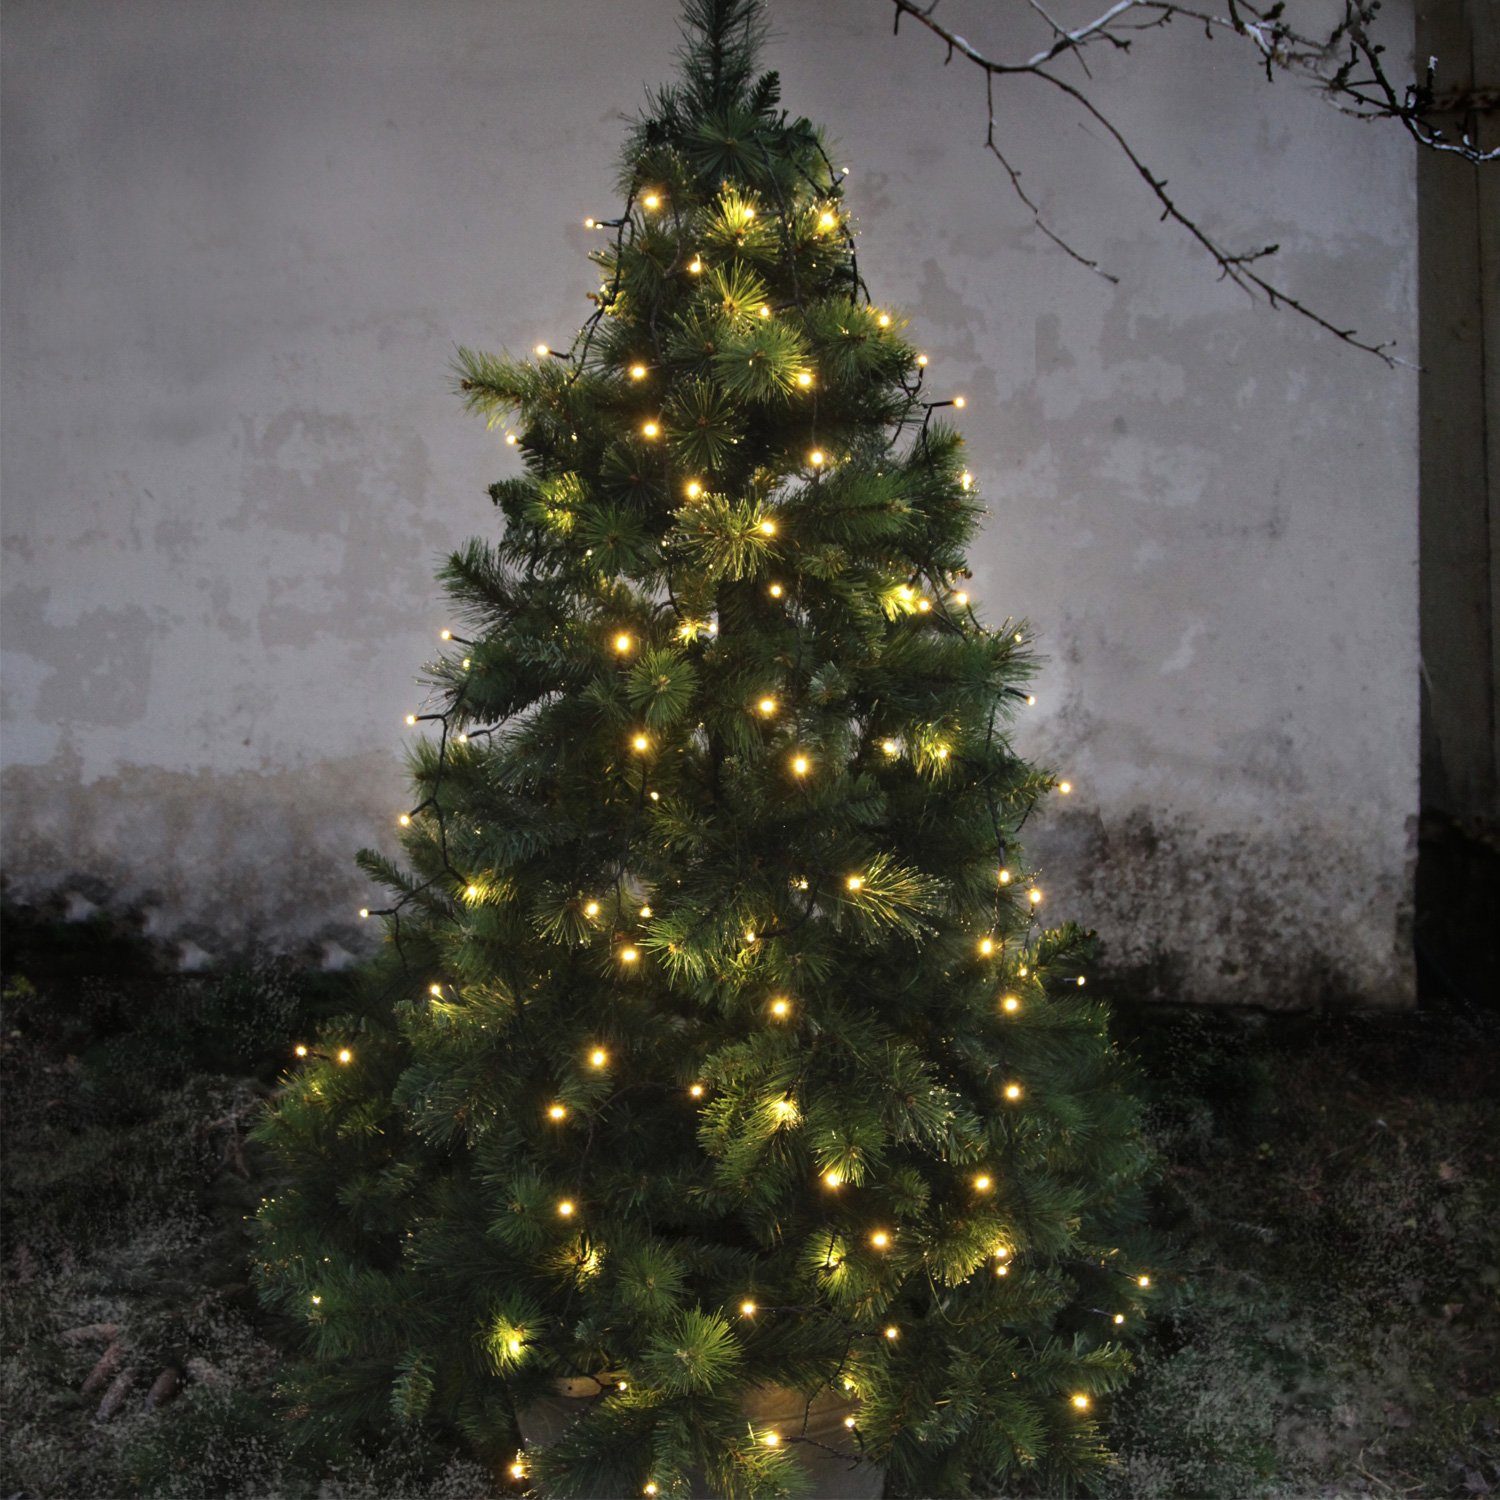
(716, 1063)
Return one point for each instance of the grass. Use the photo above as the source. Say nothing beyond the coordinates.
(1327, 1325)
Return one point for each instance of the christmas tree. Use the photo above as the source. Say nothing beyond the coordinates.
(716, 1047)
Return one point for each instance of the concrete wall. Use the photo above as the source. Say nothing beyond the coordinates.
(241, 240)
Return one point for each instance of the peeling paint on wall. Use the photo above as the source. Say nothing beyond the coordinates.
(241, 244)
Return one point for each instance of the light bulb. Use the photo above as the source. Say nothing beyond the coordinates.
(650, 1488)
(800, 765)
(880, 1239)
(556, 1112)
(893, 1332)
(1143, 1281)
(693, 489)
(1081, 981)
(1034, 896)
(1065, 787)
(623, 642)
(640, 742)
(598, 1057)
(565, 1208)
(1118, 1319)
(696, 1090)
(435, 990)
(982, 1183)
(776, 591)
(471, 891)
(826, 220)
(410, 720)
(849, 1422)
(986, 946)
(768, 528)
(315, 1300)
(942, 752)
(637, 372)
(923, 605)
(364, 913)
(960, 401)
(1081, 1401)
(1013, 1091)
(649, 429)
(1002, 1270)
(786, 1108)
(854, 882)
(1010, 1004)
(890, 747)
(645, 911)
(966, 479)
(1030, 697)
(590, 222)
(747, 1309)
(833, 1178)
(510, 440)
(804, 379)
(404, 820)
(695, 265)
(764, 311)
(749, 213)
(345, 1055)
(628, 955)
(518, 1470)
(445, 635)
(591, 909)
(781, 1008)
(541, 349)
(651, 202)
(884, 320)
(815, 458)
(766, 706)
(961, 599)
(300, 1050)
(922, 361)
(771, 1439)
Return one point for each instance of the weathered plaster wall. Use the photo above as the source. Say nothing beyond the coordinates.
(241, 241)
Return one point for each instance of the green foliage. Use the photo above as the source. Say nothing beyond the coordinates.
(692, 994)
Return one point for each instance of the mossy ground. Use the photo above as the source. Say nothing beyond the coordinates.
(1327, 1323)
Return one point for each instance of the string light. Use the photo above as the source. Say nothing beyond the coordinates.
(1010, 1004)
(316, 1300)
(650, 429)
(591, 909)
(1143, 1281)
(640, 742)
(1081, 1401)
(922, 361)
(651, 202)
(816, 458)
(1012, 1091)
(781, 1007)
(541, 351)
(591, 222)
(833, 1178)
(764, 311)
(986, 946)
(768, 528)
(966, 479)
(435, 990)
(1034, 896)
(982, 1183)
(411, 719)
(786, 1108)
(565, 1208)
(1065, 787)
(1002, 1270)
(766, 707)
(960, 402)
(645, 911)
(518, 1469)
(1004, 876)
(695, 1090)
(693, 489)
(884, 320)
(775, 591)
(404, 820)
(445, 635)
(623, 643)
(1081, 981)
(826, 220)
(880, 1239)
(300, 1050)
(771, 1439)
(804, 378)
(628, 955)
(650, 1488)
(893, 1332)
(890, 747)
(637, 372)
(598, 1057)
(747, 1309)
(364, 913)
(850, 1423)
(345, 1055)
(695, 265)
(961, 599)
(511, 440)
(1118, 1319)
(800, 765)
(556, 1112)
(471, 891)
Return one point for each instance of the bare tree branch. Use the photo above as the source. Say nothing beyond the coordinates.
(1345, 66)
